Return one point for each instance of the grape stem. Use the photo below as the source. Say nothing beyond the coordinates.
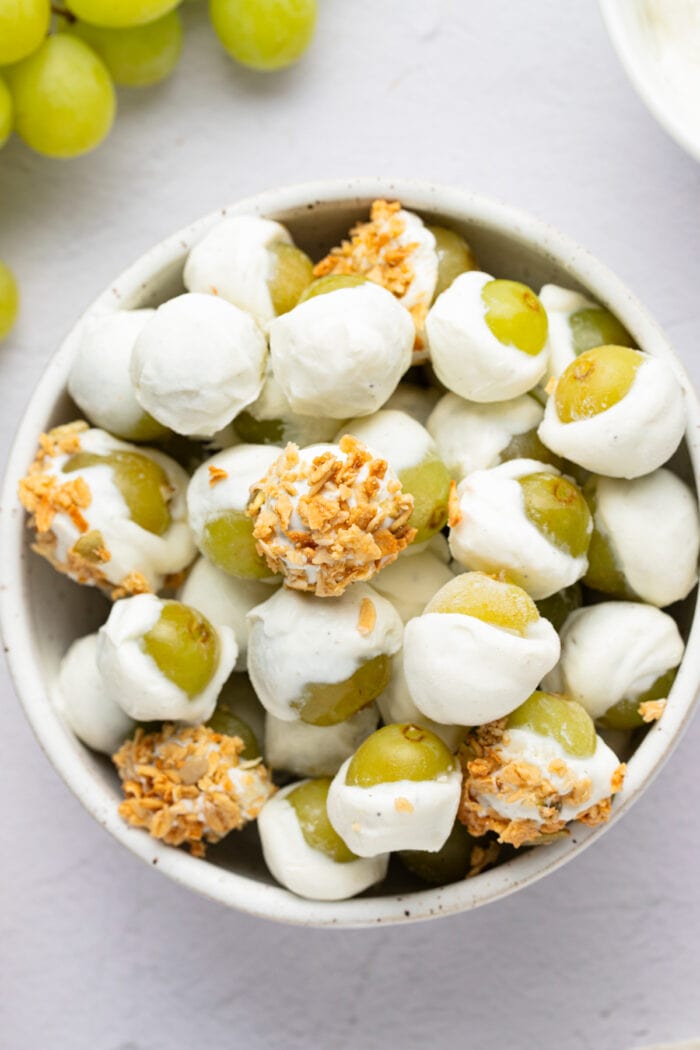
(63, 12)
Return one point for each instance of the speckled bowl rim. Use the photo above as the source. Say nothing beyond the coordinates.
(219, 884)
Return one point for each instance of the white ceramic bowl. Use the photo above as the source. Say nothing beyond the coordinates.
(653, 70)
(43, 612)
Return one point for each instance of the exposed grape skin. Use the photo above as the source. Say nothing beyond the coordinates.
(399, 752)
(9, 300)
(429, 484)
(121, 13)
(595, 381)
(142, 482)
(309, 803)
(558, 717)
(332, 282)
(595, 326)
(64, 98)
(227, 723)
(264, 35)
(228, 543)
(23, 26)
(293, 273)
(493, 601)
(136, 56)
(515, 315)
(185, 647)
(6, 113)
(557, 508)
(449, 864)
(625, 713)
(327, 703)
(454, 257)
(558, 606)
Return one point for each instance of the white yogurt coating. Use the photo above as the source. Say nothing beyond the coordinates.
(242, 701)
(304, 870)
(133, 679)
(233, 261)
(653, 529)
(395, 436)
(464, 671)
(342, 354)
(614, 651)
(396, 705)
(302, 430)
(410, 583)
(672, 37)
(131, 547)
(224, 600)
(525, 745)
(423, 260)
(316, 751)
(471, 436)
(416, 401)
(466, 355)
(197, 362)
(99, 381)
(82, 701)
(297, 640)
(402, 814)
(634, 436)
(560, 304)
(494, 534)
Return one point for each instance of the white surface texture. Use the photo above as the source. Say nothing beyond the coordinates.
(521, 101)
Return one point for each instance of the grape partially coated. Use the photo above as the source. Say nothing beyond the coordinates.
(143, 484)
(429, 484)
(309, 803)
(332, 282)
(293, 273)
(557, 508)
(447, 865)
(595, 326)
(121, 13)
(476, 594)
(227, 541)
(515, 315)
(454, 257)
(399, 752)
(528, 446)
(23, 26)
(185, 647)
(595, 381)
(327, 703)
(264, 34)
(558, 606)
(64, 98)
(139, 55)
(566, 721)
(6, 113)
(224, 721)
(9, 300)
(625, 713)
(603, 573)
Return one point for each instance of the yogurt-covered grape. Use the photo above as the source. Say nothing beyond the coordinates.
(142, 482)
(515, 315)
(293, 271)
(556, 506)
(331, 283)
(308, 800)
(494, 601)
(559, 718)
(596, 381)
(454, 257)
(185, 647)
(264, 34)
(399, 752)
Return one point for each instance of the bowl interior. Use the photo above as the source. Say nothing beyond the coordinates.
(44, 612)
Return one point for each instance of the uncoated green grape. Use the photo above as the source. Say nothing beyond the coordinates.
(556, 507)
(332, 282)
(6, 113)
(448, 864)
(23, 26)
(327, 703)
(9, 300)
(476, 594)
(293, 273)
(399, 752)
(515, 315)
(557, 607)
(121, 13)
(184, 646)
(309, 803)
(264, 34)
(595, 326)
(625, 713)
(429, 484)
(595, 381)
(142, 482)
(258, 431)
(566, 721)
(64, 98)
(228, 543)
(454, 257)
(603, 573)
(137, 55)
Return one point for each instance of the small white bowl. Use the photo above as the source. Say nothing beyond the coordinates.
(43, 612)
(652, 66)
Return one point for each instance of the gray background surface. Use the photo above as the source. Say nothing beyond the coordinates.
(522, 101)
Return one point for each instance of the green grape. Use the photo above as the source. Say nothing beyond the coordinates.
(556, 507)
(9, 300)
(64, 98)
(625, 713)
(90, 545)
(515, 315)
(309, 803)
(121, 14)
(327, 703)
(143, 484)
(146, 429)
(566, 721)
(429, 484)
(6, 113)
(332, 282)
(137, 55)
(558, 606)
(227, 723)
(528, 446)
(294, 272)
(258, 431)
(454, 257)
(23, 26)
(595, 381)
(185, 647)
(603, 573)
(227, 541)
(399, 752)
(476, 594)
(449, 864)
(264, 34)
(595, 326)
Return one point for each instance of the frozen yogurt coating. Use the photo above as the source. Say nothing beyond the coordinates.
(83, 702)
(410, 582)
(270, 419)
(316, 751)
